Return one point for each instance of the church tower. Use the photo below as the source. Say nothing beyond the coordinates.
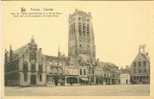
(81, 44)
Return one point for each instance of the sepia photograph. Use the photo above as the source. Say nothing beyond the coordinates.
(102, 48)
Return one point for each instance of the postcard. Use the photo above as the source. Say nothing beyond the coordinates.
(77, 48)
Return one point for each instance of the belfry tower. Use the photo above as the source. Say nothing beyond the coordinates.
(81, 44)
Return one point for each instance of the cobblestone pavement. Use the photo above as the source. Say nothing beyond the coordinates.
(106, 90)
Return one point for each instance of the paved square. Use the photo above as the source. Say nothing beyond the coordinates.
(106, 90)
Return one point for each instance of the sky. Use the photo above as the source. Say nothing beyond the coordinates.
(119, 28)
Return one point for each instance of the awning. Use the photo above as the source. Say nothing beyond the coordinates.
(85, 79)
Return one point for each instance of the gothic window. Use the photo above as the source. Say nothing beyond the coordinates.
(25, 76)
(33, 67)
(33, 56)
(25, 67)
(84, 29)
(40, 67)
(144, 63)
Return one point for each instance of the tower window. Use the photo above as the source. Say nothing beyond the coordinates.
(84, 28)
(87, 28)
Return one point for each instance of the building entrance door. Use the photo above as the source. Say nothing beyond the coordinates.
(33, 79)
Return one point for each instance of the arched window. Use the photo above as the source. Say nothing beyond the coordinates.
(84, 29)
(33, 67)
(88, 29)
(80, 31)
(40, 68)
(139, 63)
(25, 66)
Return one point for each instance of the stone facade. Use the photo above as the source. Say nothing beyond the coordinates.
(81, 44)
(25, 66)
(140, 67)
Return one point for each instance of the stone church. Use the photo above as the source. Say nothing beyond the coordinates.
(25, 66)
